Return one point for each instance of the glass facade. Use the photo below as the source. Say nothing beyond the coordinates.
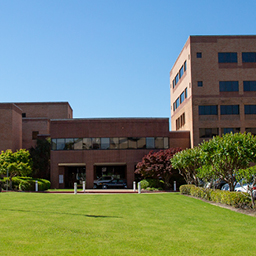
(250, 109)
(110, 143)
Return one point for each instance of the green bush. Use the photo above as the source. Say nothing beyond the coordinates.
(185, 189)
(144, 184)
(26, 183)
(236, 199)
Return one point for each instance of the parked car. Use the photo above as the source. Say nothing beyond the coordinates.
(99, 182)
(116, 183)
(239, 188)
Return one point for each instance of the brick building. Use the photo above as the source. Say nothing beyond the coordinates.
(213, 86)
(85, 149)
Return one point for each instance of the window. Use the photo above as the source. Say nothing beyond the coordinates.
(200, 83)
(34, 135)
(173, 83)
(251, 130)
(185, 65)
(229, 130)
(249, 109)
(141, 143)
(186, 92)
(60, 144)
(229, 109)
(95, 143)
(208, 132)
(114, 143)
(180, 121)
(104, 143)
(132, 142)
(208, 110)
(249, 86)
(150, 142)
(123, 143)
(181, 72)
(228, 86)
(69, 144)
(182, 97)
(23, 115)
(199, 55)
(87, 143)
(54, 144)
(174, 106)
(249, 57)
(78, 143)
(177, 103)
(176, 79)
(227, 57)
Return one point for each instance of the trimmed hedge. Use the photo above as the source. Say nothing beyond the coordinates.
(28, 183)
(236, 199)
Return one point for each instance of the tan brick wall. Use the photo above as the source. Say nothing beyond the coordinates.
(50, 110)
(30, 125)
(208, 70)
(10, 127)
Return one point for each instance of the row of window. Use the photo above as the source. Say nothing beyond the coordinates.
(110, 143)
(180, 121)
(233, 86)
(226, 110)
(179, 75)
(180, 99)
(211, 132)
(231, 57)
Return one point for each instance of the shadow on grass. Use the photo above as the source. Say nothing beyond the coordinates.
(61, 213)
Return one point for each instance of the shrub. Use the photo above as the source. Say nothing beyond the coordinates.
(144, 184)
(27, 183)
(236, 199)
(185, 189)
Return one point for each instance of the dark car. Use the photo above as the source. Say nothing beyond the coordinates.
(116, 183)
(99, 182)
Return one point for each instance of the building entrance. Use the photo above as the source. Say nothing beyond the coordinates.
(115, 171)
(75, 174)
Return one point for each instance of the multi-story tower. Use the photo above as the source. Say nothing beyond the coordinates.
(213, 86)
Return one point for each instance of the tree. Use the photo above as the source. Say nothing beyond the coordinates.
(41, 158)
(187, 162)
(18, 163)
(157, 165)
(224, 156)
(248, 176)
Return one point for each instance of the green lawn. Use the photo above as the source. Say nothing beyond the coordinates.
(121, 224)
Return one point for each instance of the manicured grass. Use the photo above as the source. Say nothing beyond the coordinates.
(120, 224)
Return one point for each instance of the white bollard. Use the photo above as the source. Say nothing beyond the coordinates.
(134, 186)
(174, 185)
(75, 188)
(36, 186)
(84, 186)
(139, 188)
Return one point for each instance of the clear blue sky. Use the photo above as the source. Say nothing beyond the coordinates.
(107, 58)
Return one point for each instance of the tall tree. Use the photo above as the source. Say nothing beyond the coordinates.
(224, 156)
(41, 158)
(157, 165)
(17, 163)
(187, 162)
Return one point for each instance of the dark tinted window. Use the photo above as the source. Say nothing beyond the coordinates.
(249, 86)
(200, 83)
(229, 109)
(229, 130)
(199, 55)
(249, 109)
(229, 86)
(208, 132)
(249, 57)
(227, 57)
(208, 110)
(251, 130)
